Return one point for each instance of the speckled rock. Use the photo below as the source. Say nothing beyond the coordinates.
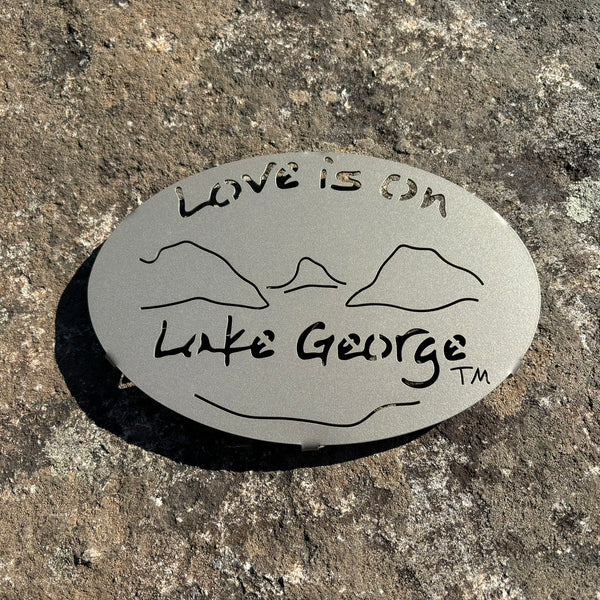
(106, 494)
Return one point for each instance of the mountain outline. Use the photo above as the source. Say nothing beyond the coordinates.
(300, 271)
(349, 303)
(221, 260)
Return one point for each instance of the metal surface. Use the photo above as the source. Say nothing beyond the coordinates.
(315, 298)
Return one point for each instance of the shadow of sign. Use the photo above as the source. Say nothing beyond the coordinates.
(130, 414)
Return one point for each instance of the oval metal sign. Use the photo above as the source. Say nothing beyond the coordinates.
(315, 298)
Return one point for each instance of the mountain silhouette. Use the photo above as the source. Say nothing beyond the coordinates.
(187, 272)
(418, 280)
(309, 273)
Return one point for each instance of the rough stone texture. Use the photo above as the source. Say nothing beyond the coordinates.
(106, 494)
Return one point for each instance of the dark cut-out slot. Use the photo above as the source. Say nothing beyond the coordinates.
(214, 199)
(283, 177)
(258, 347)
(214, 194)
(429, 199)
(411, 193)
(301, 420)
(347, 181)
(352, 346)
(309, 285)
(159, 348)
(181, 198)
(323, 182)
(259, 186)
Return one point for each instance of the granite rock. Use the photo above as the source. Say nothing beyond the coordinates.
(106, 494)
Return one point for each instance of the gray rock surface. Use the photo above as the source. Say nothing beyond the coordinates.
(104, 493)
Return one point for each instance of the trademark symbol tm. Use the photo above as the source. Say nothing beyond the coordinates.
(480, 375)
